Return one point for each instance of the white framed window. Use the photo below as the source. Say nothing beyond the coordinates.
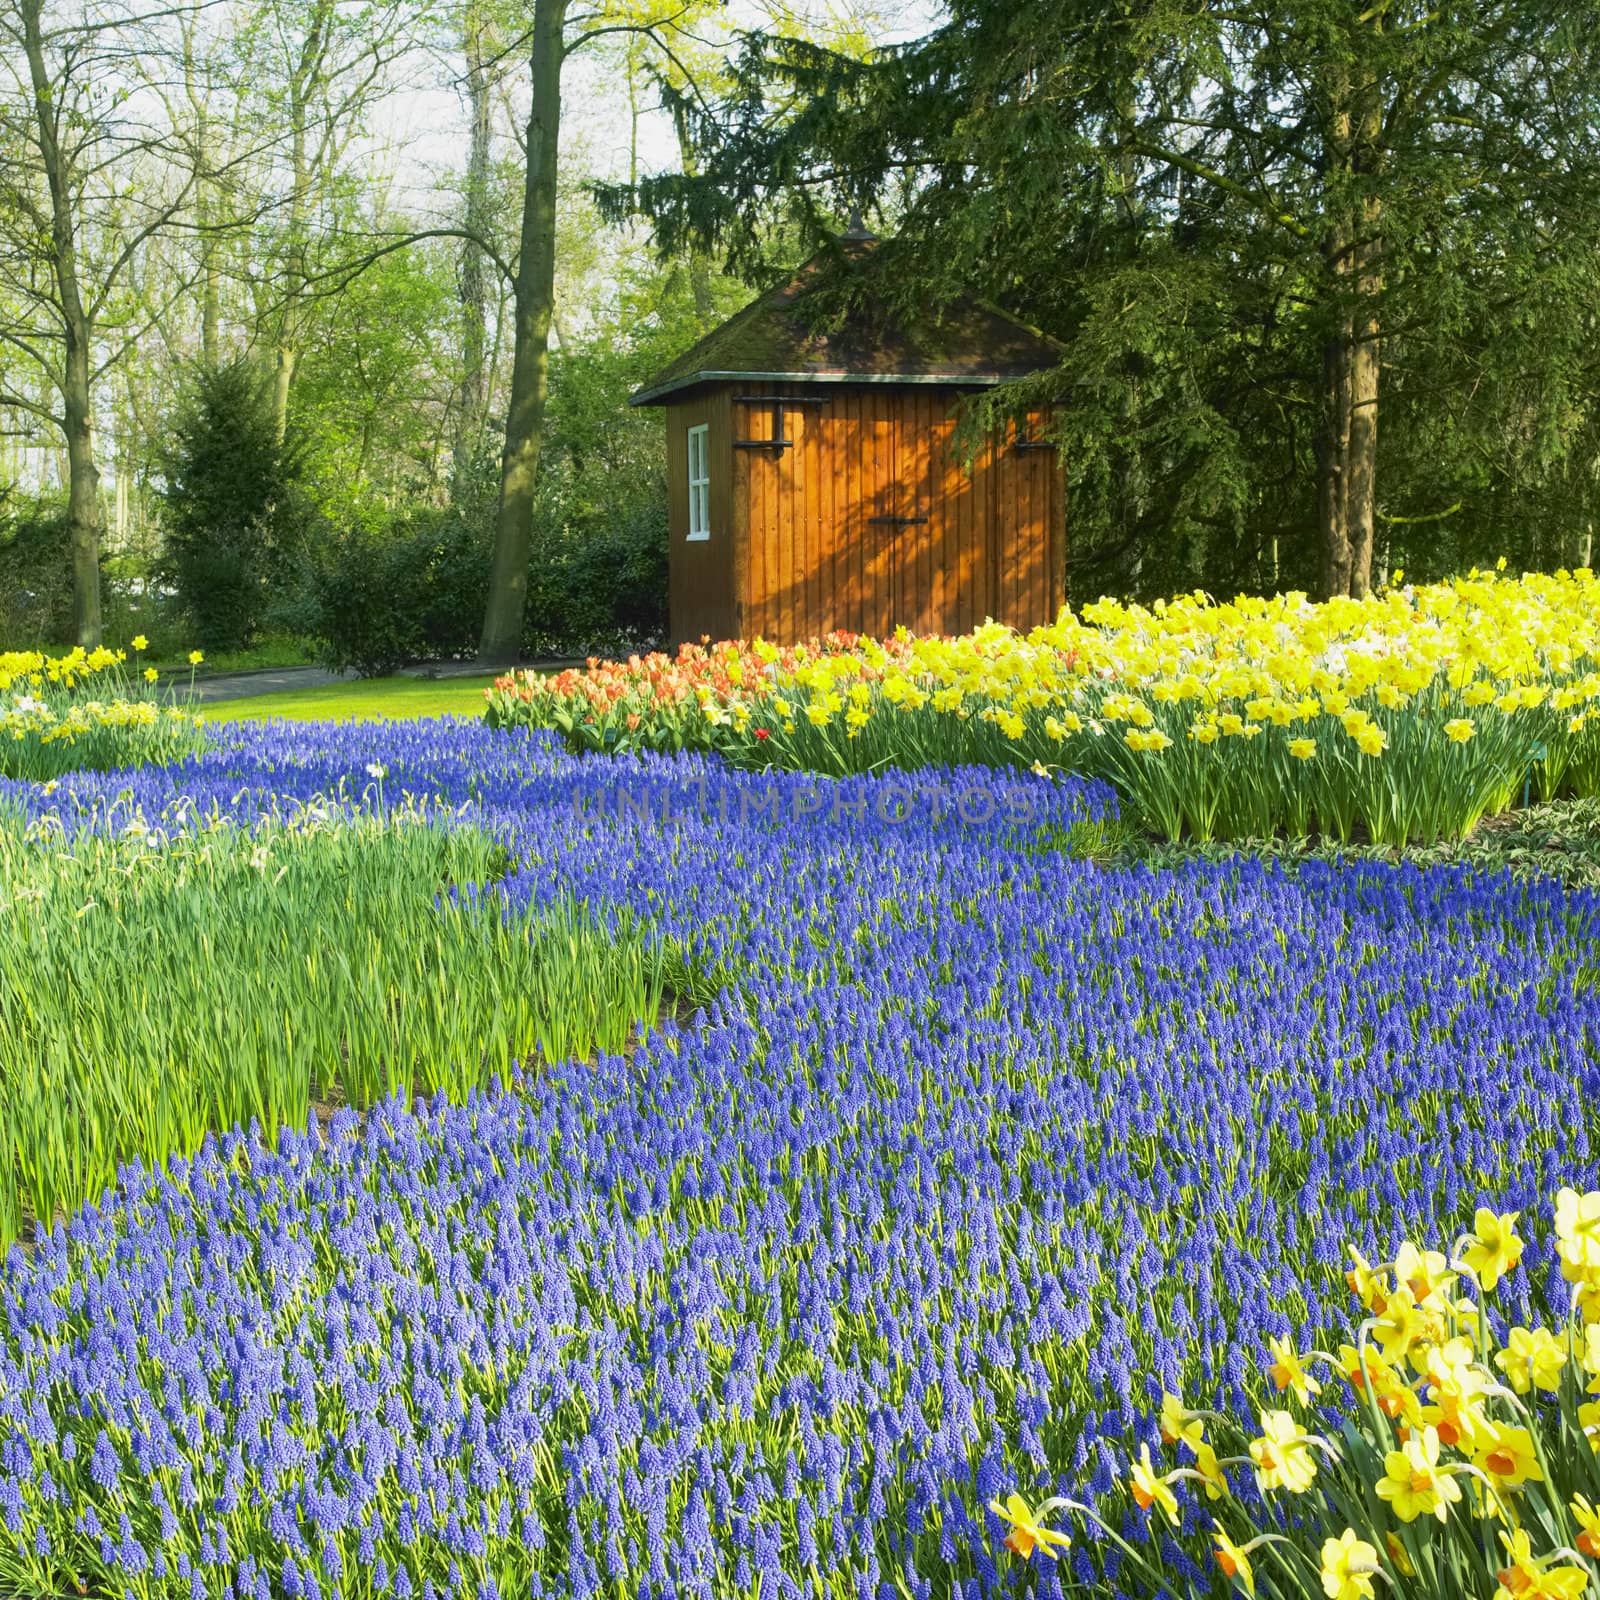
(699, 483)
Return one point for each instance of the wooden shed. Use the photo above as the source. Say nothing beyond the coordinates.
(815, 482)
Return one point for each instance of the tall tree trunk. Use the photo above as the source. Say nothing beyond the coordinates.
(211, 289)
(75, 381)
(210, 274)
(1362, 479)
(473, 394)
(1333, 458)
(1347, 435)
(83, 488)
(501, 640)
(304, 83)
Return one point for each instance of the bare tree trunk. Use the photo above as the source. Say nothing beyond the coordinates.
(210, 301)
(83, 491)
(1333, 461)
(1347, 436)
(76, 384)
(501, 640)
(473, 395)
(210, 274)
(304, 83)
(1362, 479)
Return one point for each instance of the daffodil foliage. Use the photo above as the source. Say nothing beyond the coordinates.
(1408, 716)
(1441, 1448)
(87, 709)
(973, 1151)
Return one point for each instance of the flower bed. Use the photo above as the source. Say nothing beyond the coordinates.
(1407, 716)
(163, 978)
(1436, 1446)
(977, 1150)
(86, 709)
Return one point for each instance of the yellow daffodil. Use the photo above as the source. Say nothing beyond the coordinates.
(1232, 1559)
(1213, 1479)
(1028, 1532)
(1494, 1247)
(1532, 1358)
(1522, 1578)
(1578, 1229)
(1398, 1554)
(1426, 1273)
(1349, 1564)
(1282, 1454)
(1177, 1423)
(1399, 1325)
(1412, 1482)
(1458, 730)
(1366, 1283)
(140, 642)
(1151, 1489)
(196, 657)
(1302, 749)
(1288, 1370)
(1455, 1387)
(1588, 1520)
(1507, 1455)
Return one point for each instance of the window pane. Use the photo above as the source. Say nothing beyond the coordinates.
(699, 482)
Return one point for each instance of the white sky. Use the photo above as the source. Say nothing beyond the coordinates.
(419, 134)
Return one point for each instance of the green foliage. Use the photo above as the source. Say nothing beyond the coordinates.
(232, 521)
(35, 573)
(1556, 839)
(378, 594)
(347, 979)
(1164, 190)
(369, 384)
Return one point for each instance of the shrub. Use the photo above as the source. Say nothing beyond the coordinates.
(598, 586)
(35, 573)
(377, 595)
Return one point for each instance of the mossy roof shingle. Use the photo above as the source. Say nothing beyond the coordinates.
(969, 342)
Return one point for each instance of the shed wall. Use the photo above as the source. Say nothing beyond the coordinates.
(802, 554)
(701, 577)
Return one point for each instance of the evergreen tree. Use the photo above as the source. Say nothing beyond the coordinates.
(230, 523)
(1257, 225)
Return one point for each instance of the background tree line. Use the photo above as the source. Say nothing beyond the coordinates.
(318, 317)
(1326, 271)
(307, 319)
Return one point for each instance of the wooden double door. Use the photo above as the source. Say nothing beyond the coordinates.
(870, 519)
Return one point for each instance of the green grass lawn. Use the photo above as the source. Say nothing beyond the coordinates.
(365, 699)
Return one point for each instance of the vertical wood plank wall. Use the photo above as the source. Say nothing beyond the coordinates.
(704, 577)
(793, 552)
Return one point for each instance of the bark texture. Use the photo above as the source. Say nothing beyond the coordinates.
(77, 336)
(1347, 438)
(472, 396)
(501, 640)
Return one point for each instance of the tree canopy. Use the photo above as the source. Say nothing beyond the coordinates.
(1260, 227)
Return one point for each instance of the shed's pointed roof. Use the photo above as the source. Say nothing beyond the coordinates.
(970, 343)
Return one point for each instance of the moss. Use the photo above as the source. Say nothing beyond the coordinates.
(776, 333)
